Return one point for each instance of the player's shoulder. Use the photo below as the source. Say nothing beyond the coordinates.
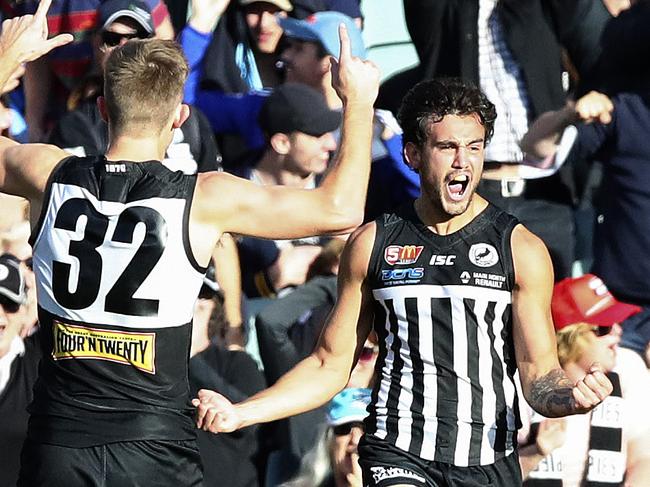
(531, 258)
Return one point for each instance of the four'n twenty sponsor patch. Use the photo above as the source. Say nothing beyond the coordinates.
(137, 349)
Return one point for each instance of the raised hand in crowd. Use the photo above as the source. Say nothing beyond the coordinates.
(24, 39)
(594, 107)
(354, 79)
(206, 14)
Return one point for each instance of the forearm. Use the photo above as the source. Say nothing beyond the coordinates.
(308, 385)
(347, 182)
(551, 395)
(543, 135)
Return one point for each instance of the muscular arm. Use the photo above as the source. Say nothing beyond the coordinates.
(336, 206)
(546, 387)
(317, 378)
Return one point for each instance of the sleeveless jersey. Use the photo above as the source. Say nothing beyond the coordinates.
(116, 286)
(442, 308)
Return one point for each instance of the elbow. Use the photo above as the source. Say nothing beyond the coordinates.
(345, 217)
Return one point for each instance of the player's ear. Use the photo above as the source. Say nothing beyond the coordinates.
(412, 156)
(182, 114)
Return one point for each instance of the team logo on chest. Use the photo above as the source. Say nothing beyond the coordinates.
(483, 255)
(402, 254)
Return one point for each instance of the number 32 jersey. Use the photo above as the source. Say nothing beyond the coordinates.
(116, 283)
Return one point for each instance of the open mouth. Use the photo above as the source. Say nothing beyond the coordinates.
(457, 186)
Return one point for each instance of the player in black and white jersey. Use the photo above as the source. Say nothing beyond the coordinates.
(120, 249)
(459, 294)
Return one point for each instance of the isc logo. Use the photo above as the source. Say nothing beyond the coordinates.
(442, 260)
(402, 254)
(399, 274)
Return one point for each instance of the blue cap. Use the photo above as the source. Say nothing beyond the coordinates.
(348, 406)
(323, 27)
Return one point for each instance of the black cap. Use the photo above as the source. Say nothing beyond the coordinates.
(12, 281)
(294, 107)
(111, 10)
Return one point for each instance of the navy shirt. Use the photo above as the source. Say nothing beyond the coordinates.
(622, 239)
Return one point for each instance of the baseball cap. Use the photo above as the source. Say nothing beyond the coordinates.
(323, 27)
(111, 10)
(294, 107)
(12, 281)
(348, 406)
(283, 4)
(586, 299)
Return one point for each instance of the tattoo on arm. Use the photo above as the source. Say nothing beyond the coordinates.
(551, 395)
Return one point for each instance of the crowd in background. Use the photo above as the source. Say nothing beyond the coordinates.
(570, 158)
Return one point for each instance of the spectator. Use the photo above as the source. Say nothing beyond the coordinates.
(615, 132)
(298, 126)
(487, 42)
(19, 358)
(82, 131)
(333, 460)
(238, 57)
(612, 443)
(235, 460)
(49, 80)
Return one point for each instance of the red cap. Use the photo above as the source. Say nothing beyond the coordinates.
(586, 299)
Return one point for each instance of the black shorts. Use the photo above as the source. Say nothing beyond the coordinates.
(160, 463)
(384, 464)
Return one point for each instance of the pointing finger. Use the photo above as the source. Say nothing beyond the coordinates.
(41, 11)
(345, 51)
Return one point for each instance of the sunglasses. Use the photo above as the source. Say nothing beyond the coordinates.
(112, 39)
(346, 428)
(601, 331)
(9, 306)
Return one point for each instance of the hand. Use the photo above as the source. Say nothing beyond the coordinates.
(591, 390)
(550, 435)
(594, 107)
(355, 80)
(25, 39)
(206, 14)
(14, 80)
(215, 413)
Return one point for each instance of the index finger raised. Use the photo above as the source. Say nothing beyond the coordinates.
(41, 11)
(345, 52)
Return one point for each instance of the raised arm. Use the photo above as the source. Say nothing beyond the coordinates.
(541, 140)
(24, 169)
(317, 378)
(336, 206)
(545, 385)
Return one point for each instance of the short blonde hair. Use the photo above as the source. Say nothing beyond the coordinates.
(143, 84)
(572, 342)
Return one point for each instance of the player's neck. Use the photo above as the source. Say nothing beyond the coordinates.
(440, 222)
(136, 149)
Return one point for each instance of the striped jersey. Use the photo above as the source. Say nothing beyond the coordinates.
(442, 311)
(116, 286)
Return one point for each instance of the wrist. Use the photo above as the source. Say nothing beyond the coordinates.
(203, 25)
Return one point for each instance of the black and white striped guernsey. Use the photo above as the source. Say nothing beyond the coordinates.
(116, 283)
(442, 307)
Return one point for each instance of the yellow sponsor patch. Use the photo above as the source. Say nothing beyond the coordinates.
(137, 349)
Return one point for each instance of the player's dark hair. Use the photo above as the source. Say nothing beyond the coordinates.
(429, 101)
